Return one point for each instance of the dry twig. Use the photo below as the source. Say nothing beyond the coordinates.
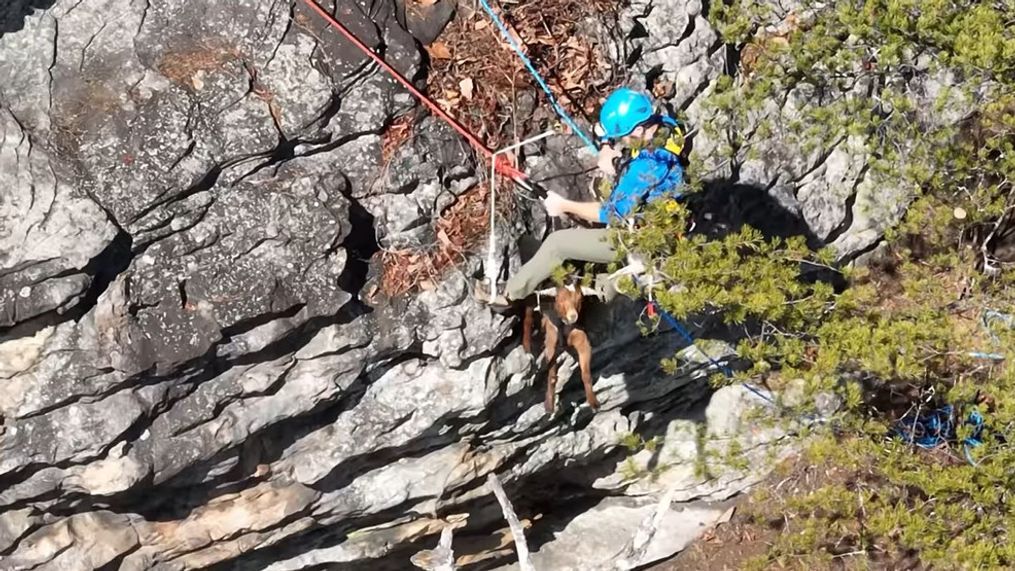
(441, 558)
(524, 564)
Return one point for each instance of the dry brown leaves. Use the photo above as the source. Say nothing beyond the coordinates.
(459, 230)
(397, 133)
(476, 75)
(766, 46)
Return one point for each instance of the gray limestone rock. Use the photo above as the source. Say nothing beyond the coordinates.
(595, 538)
(192, 197)
(52, 235)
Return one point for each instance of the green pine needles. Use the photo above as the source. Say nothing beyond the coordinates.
(925, 89)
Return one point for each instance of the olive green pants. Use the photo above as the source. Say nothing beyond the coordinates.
(579, 244)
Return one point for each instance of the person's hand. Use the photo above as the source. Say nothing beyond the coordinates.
(607, 154)
(554, 204)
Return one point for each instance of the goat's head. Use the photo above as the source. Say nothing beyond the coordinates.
(568, 303)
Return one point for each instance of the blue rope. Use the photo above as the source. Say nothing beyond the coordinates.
(991, 315)
(676, 326)
(989, 356)
(987, 318)
(539, 79)
(937, 427)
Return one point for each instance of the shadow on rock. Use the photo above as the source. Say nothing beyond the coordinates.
(724, 207)
(13, 13)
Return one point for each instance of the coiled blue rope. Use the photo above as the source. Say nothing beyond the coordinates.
(539, 79)
(936, 427)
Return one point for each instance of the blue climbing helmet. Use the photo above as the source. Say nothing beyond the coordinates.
(622, 111)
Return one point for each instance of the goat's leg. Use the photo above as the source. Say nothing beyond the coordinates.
(527, 323)
(550, 352)
(580, 342)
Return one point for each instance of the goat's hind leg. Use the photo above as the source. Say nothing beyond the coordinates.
(580, 342)
(527, 322)
(550, 334)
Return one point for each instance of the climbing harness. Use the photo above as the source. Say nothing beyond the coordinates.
(546, 308)
(504, 167)
(665, 146)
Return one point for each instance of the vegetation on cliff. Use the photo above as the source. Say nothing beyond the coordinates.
(908, 330)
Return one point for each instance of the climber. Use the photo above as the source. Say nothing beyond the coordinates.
(649, 168)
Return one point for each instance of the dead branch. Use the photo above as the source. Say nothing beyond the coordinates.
(439, 559)
(517, 532)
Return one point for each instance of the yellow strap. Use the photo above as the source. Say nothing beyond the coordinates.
(675, 143)
(675, 146)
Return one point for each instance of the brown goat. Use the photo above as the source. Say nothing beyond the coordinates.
(566, 307)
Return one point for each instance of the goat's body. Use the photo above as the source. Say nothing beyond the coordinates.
(563, 332)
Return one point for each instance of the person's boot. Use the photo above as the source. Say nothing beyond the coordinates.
(481, 292)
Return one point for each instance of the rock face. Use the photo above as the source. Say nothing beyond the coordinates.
(189, 376)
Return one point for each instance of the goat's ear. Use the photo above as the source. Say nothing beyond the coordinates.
(548, 292)
(591, 292)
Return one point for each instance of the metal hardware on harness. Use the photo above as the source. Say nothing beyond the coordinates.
(489, 271)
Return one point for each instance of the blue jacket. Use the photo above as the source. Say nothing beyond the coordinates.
(653, 173)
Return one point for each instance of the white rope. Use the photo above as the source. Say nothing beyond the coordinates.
(491, 274)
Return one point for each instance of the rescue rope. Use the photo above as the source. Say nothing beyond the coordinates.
(937, 427)
(654, 309)
(987, 319)
(503, 166)
(539, 79)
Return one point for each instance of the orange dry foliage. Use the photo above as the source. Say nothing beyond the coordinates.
(476, 75)
(459, 230)
(183, 65)
(397, 133)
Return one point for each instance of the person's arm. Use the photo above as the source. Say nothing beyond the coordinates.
(641, 178)
(557, 205)
(588, 211)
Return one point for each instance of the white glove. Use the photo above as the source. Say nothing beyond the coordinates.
(554, 203)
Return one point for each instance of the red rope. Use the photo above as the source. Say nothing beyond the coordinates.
(503, 165)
